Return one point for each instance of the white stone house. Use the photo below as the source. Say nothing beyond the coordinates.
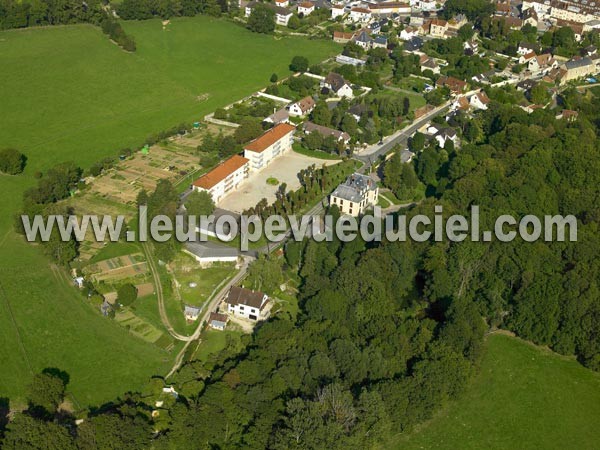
(337, 11)
(362, 15)
(336, 84)
(282, 15)
(302, 107)
(305, 8)
(247, 304)
(355, 195)
(479, 100)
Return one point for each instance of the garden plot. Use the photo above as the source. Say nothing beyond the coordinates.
(143, 171)
(119, 268)
(143, 329)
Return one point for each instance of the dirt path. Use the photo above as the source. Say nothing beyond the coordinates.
(160, 296)
(210, 305)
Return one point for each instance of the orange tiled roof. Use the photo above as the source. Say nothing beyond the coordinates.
(268, 138)
(222, 171)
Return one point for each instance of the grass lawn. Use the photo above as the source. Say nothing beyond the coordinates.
(204, 282)
(381, 201)
(67, 93)
(299, 148)
(213, 341)
(54, 326)
(524, 397)
(114, 249)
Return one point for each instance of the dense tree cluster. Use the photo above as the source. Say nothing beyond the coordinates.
(146, 9)
(262, 19)
(115, 31)
(29, 13)
(547, 292)
(385, 333)
(12, 161)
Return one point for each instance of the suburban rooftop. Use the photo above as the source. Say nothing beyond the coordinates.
(269, 137)
(222, 171)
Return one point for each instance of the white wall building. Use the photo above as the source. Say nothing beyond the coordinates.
(224, 178)
(337, 11)
(362, 15)
(305, 8)
(355, 195)
(273, 143)
(245, 303)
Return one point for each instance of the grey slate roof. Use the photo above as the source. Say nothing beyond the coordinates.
(192, 310)
(354, 188)
(336, 81)
(309, 127)
(574, 64)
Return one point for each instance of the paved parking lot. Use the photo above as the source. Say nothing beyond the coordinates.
(284, 168)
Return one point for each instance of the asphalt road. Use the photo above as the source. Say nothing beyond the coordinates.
(372, 153)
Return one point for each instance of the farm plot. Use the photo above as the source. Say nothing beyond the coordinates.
(119, 268)
(143, 329)
(143, 171)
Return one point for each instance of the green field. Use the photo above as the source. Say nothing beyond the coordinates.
(67, 93)
(523, 398)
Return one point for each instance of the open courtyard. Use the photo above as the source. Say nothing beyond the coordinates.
(284, 169)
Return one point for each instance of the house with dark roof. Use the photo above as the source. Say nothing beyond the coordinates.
(279, 116)
(526, 85)
(578, 68)
(217, 321)
(442, 134)
(414, 44)
(455, 85)
(355, 195)
(335, 83)
(358, 111)
(326, 132)
(242, 302)
(525, 48)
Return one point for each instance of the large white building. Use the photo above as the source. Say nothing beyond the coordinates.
(388, 8)
(337, 11)
(224, 178)
(273, 143)
(355, 195)
(282, 15)
(581, 11)
(245, 303)
(360, 15)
